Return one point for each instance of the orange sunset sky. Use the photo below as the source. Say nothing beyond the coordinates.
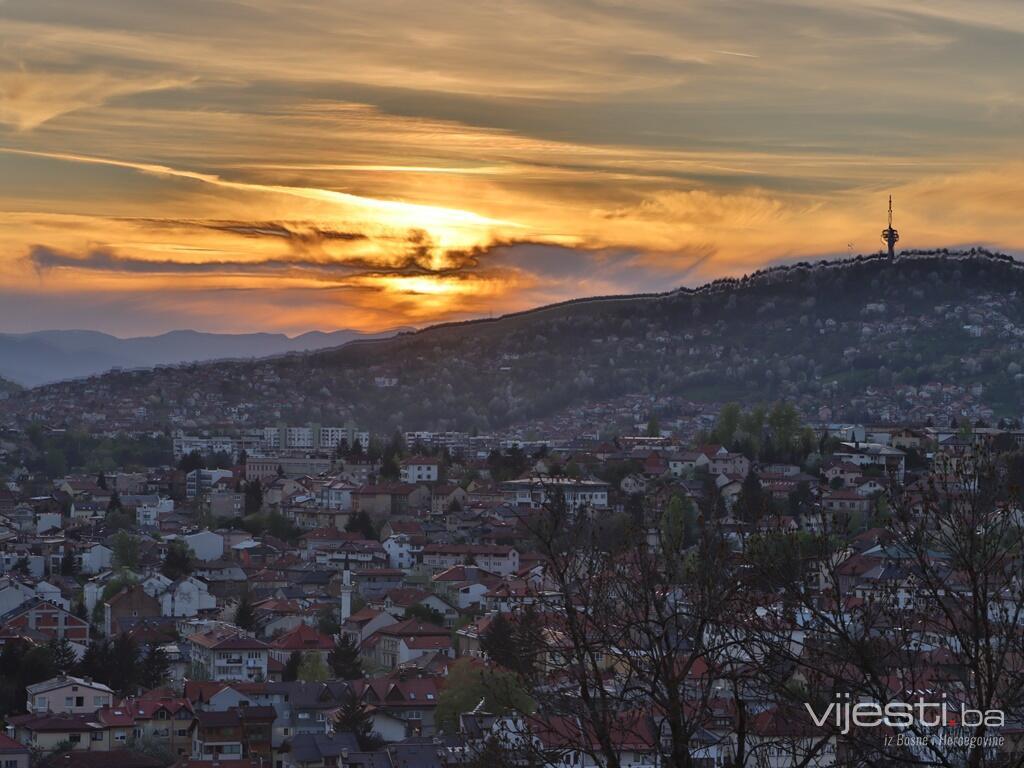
(243, 165)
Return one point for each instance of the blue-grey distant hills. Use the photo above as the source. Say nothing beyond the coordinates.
(41, 357)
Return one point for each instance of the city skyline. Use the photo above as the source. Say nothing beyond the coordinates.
(244, 167)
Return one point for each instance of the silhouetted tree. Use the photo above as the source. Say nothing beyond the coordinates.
(344, 659)
(245, 616)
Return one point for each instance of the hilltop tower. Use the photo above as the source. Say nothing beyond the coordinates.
(889, 235)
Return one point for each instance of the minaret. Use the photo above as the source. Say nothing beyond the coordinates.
(346, 595)
(889, 235)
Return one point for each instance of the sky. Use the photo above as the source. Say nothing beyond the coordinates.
(261, 165)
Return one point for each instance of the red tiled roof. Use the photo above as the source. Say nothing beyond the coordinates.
(303, 637)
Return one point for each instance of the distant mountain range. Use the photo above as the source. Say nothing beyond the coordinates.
(42, 357)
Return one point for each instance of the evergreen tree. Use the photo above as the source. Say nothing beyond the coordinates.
(67, 561)
(344, 660)
(62, 655)
(497, 642)
(245, 616)
(327, 621)
(360, 522)
(126, 550)
(178, 561)
(291, 667)
(191, 462)
(253, 497)
(155, 668)
(101, 481)
(751, 502)
(515, 643)
(353, 718)
(124, 674)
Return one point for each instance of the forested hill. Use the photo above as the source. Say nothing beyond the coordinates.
(859, 334)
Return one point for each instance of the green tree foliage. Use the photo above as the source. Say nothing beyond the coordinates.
(191, 462)
(752, 502)
(678, 525)
(121, 664)
(312, 668)
(353, 718)
(22, 665)
(800, 499)
(279, 526)
(245, 615)
(507, 465)
(784, 427)
(425, 613)
(726, 425)
(344, 660)
(253, 497)
(126, 550)
(291, 667)
(360, 522)
(468, 684)
(67, 562)
(327, 621)
(62, 655)
(155, 668)
(178, 561)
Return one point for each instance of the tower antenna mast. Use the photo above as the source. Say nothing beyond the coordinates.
(889, 235)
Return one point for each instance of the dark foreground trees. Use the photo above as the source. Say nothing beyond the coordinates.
(754, 650)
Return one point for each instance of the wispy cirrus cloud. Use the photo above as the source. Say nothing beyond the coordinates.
(29, 99)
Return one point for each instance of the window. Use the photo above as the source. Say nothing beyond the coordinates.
(96, 736)
(74, 738)
(99, 701)
(69, 701)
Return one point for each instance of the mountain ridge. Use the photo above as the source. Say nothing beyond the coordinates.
(42, 357)
(860, 337)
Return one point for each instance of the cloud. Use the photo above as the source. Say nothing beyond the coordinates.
(43, 258)
(458, 158)
(29, 99)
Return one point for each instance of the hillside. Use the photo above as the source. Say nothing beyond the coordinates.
(8, 388)
(46, 356)
(926, 333)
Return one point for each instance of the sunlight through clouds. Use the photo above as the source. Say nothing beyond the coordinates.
(352, 165)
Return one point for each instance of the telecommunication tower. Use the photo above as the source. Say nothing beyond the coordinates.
(889, 235)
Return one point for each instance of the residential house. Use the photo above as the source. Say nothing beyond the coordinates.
(400, 643)
(222, 654)
(68, 695)
(419, 469)
(13, 754)
(131, 602)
